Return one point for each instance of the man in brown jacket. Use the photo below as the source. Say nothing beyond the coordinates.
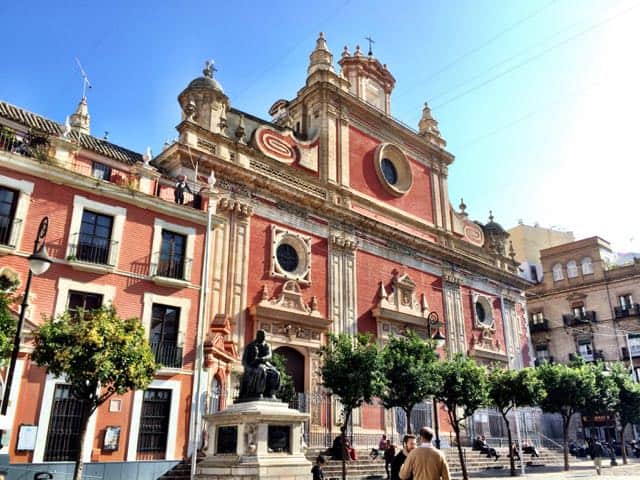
(425, 462)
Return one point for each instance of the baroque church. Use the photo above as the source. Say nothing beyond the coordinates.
(329, 217)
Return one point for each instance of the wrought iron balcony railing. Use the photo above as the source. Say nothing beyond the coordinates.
(168, 354)
(571, 319)
(98, 252)
(627, 311)
(9, 228)
(539, 326)
(178, 268)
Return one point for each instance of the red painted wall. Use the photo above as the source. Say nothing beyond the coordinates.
(363, 177)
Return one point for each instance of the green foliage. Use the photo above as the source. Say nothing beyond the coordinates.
(569, 388)
(606, 393)
(7, 326)
(628, 401)
(351, 370)
(98, 353)
(287, 391)
(461, 385)
(508, 388)
(407, 367)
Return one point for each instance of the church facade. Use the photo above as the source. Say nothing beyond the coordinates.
(331, 217)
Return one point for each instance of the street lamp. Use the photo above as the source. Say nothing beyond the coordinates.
(434, 321)
(39, 262)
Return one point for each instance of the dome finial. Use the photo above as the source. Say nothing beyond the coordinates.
(209, 68)
(491, 215)
(463, 208)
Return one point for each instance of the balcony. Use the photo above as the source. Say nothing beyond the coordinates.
(585, 318)
(171, 271)
(9, 229)
(540, 361)
(93, 256)
(539, 326)
(627, 311)
(588, 357)
(168, 354)
(635, 352)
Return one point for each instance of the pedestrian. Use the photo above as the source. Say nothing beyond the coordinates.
(408, 444)
(382, 444)
(596, 455)
(425, 462)
(389, 454)
(316, 471)
(180, 187)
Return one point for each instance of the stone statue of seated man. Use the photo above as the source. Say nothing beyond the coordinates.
(260, 379)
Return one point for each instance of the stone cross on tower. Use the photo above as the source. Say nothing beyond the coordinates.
(371, 42)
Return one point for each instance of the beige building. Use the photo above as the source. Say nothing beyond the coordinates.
(585, 304)
(529, 240)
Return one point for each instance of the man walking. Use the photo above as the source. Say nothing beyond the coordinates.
(408, 444)
(425, 462)
(596, 455)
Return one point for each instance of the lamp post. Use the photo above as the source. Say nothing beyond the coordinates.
(434, 321)
(39, 262)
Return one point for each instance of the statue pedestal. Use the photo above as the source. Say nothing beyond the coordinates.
(255, 440)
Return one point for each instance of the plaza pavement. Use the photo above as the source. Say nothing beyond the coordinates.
(580, 469)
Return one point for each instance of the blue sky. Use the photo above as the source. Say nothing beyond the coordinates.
(537, 100)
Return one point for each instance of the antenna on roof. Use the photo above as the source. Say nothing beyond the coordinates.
(85, 79)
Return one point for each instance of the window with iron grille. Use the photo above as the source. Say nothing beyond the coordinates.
(8, 202)
(154, 421)
(83, 300)
(165, 323)
(94, 239)
(172, 255)
(63, 436)
(101, 171)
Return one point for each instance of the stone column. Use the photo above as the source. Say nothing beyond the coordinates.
(454, 314)
(342, 282)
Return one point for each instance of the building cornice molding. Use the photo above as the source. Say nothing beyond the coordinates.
(64, 176)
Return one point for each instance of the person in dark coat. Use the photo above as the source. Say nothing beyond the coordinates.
(181, 186)
(316, 471)
(408, 444)
(389, 455)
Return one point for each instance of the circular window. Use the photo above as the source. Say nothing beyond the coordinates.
(393, 169)
(484, 314)
(389, 171)
(287, 257)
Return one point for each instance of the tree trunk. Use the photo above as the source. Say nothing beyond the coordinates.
(565, 442)
(624, 447)
(79, 467)
(455, 423)
(512, 461)
(343, 432)
(407, 411)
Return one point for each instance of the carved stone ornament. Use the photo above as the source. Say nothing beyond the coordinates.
(483, 313)
(284, 147)
(297, 248)
(401, 305)
(289, 314)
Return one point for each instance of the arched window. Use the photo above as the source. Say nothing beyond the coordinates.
(215, 395)
(557, 272)
(587, 266)
(572, 269)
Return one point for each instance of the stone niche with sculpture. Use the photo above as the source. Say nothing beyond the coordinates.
(259, 436)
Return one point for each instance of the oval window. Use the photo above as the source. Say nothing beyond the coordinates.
(480, 313)
(389, 171)
(287, 257)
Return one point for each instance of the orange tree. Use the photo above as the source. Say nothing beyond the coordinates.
(99, 355)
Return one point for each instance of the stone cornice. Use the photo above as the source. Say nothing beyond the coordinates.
(404, 134)
(466, 257)
(64, 176)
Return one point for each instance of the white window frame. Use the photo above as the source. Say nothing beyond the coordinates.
(119, 214)
(625, 301)
(634, 344)
(572, 269)
(588, 350)
(189, 232)
(184, 304)
(25, 190)
(45, 418)
(587, 266)
(174, 419)
(547, 354)
(108, 293)
(537, 318)
(557, 272)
